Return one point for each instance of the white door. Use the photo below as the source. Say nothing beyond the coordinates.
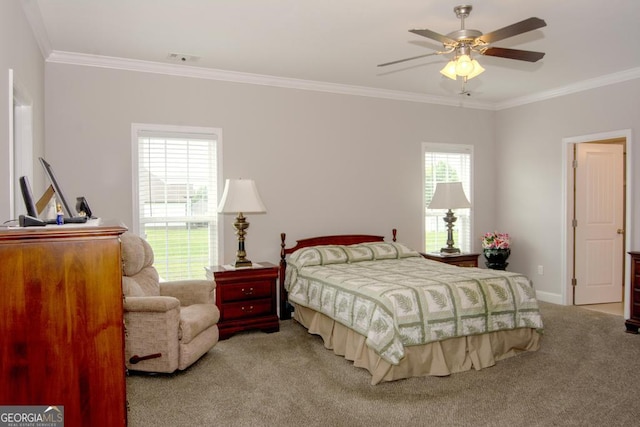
(599, 232)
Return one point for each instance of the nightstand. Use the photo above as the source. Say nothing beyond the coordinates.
(246, 298)
(459, 259)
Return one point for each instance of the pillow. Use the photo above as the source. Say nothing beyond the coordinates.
(392, 250)
(332, 254)
(382, 250)
(356, 253)
(318, 255)
(404, 251)
(304, 257)
(336, 254)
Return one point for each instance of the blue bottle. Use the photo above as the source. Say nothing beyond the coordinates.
(59, 215)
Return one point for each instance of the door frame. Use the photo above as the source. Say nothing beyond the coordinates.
(566, 233)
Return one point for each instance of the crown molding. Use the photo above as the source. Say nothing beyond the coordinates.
(609, 79)
(256, 79)
(181, 70)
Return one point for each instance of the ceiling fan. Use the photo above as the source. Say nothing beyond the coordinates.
(465, 41)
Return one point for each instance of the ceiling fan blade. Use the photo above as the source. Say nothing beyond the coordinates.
(434, 36)
(408, 59)
(521, 55)
(513, 30)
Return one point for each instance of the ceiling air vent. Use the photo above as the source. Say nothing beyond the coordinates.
(183, 58)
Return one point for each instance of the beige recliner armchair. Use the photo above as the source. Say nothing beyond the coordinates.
(168, 325)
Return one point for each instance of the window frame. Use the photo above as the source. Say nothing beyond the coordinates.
(449, 148)
(138, 129)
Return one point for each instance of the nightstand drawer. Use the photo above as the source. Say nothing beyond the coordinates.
(472, 263)
(246, 291)
(247, 309)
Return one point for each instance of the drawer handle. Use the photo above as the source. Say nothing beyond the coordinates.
(247, 291)
(250, 309)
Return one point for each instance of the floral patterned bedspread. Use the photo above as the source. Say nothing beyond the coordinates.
(395, 298)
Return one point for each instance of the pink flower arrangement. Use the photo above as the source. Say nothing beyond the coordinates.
(495, 240)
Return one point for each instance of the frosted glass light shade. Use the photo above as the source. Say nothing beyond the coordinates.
(449, 70)
(464, 66)
(477, 69)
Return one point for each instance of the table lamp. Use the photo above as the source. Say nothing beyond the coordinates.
(241, 196)
(449, 195)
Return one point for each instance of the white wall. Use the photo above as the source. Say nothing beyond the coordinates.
(324, 163)
(18, 51)
(529, 181)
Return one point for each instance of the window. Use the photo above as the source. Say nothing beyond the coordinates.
(176, 195)
(446, 163)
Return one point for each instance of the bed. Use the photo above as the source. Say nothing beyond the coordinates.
(398, 315)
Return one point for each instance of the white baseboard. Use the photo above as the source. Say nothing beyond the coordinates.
(549, 297)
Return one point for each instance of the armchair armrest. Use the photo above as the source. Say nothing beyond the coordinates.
(152, 333)
(190, 291)
(158, 304)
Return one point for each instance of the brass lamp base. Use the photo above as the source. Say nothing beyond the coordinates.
(448, 250)
(449, 219)
(241, 225)
(242, 263)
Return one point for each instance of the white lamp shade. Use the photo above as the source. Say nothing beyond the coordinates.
(241, 195)
(449, 195)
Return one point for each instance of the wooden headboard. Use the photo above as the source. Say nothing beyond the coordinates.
(342, 239)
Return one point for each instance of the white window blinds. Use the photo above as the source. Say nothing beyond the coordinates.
(446, 163)
(177, 193)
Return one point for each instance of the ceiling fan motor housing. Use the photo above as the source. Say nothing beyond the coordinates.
(464, 36)
(463, 10)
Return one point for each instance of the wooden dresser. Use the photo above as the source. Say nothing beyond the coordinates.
(62, 333)
(633, 323)
(246, 298)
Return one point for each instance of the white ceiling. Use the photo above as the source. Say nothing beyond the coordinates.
(339, 42)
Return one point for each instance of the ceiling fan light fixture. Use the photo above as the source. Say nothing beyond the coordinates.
(465, 41)
(462, 66)
(449, 70)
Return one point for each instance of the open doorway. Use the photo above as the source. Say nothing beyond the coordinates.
(21, 147)
(597, 219)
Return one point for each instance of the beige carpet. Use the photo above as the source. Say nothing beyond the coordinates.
(587, 373)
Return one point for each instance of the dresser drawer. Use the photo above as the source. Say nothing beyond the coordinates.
(246, 291)
(246, 309)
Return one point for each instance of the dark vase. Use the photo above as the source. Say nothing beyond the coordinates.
(497, 258)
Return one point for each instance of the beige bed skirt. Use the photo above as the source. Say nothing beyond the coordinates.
(438, 358)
